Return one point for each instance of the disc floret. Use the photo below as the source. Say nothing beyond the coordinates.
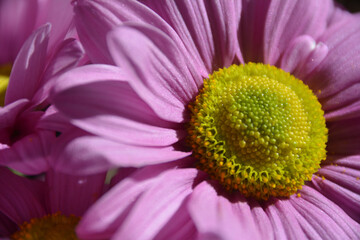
(258, 130)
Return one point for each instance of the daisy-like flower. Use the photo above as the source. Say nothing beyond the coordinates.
(45, 208)
(26, 117)
(19, 18)
(229, 149)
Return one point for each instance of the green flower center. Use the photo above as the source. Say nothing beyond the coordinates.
(52, 227)
(4, 81)
(258, 130)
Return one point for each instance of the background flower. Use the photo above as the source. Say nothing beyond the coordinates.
(24, 199)
(24, 143)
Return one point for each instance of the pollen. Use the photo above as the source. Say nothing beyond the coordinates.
(51, 227)
(258, 130)
(4, 81)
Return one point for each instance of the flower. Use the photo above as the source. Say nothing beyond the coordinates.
(27, 119)
(19, 18)
(138, 113)
(34, 203)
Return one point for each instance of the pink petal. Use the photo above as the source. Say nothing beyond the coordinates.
(21, 199)
(294, 221)
(345, 160)
(10, 112)
(104, 104)
(348, 200)
(276, 222)
(66, 57)
(29, 155)
(54, 121)
(268, 28)
(157, 70)
(115, 205)
(302, 56)
(344, 53)
(87, 154)
(265, 229)
(346, 177)
(73, 194)
(7, 227)
(160, 202)
(341, 99)
(70, 155)
(284, 221)
(208, 29)
(59, 13)
(347, 112)
(288, 19)
(215, 216)
(95, 18)
(17, 19)
(28, 66)
(180, 226)
(328, 219)
(344, 137)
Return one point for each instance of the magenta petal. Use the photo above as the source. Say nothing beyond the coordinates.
(208, 29)
(60, 15)
(17, 18)
(328, 219)
(344, 54)
(160, 202)
(28, 66)
(115, 205)
(343, 176)
(288, 19)
(104, 104)
(265, 229)
(347, 112)
(348, 200)
(157, 69)
(71, 155)
(95, 18)
(344, 137)
(297, 52)
(9, 113)
(284, 221)
(21, 199)
(215, 216)
(73, 194)
(180, 226)
(86, 154)
(345, 160)
(66, 57)
(29, 155)
(7, 227)
(54, 121)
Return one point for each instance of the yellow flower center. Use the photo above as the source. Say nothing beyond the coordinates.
(4, 81)
(258, 130)
(51, 227)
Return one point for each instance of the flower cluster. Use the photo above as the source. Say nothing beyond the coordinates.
(184, 119)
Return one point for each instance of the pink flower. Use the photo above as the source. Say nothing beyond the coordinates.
(24, 199)
(19, 18)
(27, 120)
(137, 113)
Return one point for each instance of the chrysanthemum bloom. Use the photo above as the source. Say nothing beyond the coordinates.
(46, 208)
(19, 18)
(26, 115)
(236, 149)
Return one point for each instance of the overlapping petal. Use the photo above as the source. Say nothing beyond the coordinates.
(104, 104)
(28, 67)
(158, 71)
(20, 197)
